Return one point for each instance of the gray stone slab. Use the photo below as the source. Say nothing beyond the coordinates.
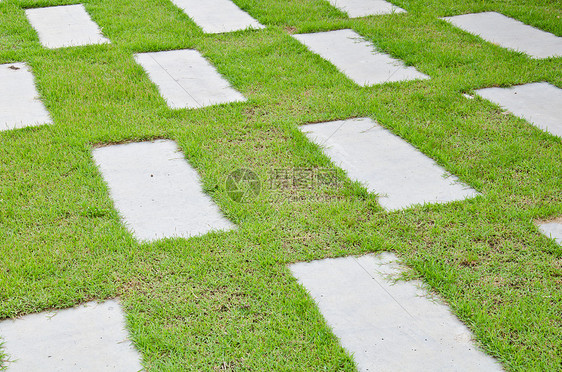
(357, 58)
(65, 26)
(552, 229)
(386, 164)
(509, 33)
(538, 103)
(186, 79)
(389, 326)
(91, 337)
(19, 100)
(156, 191)
(217, 16)
(364, 8)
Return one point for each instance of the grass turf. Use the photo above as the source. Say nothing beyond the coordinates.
(227, 300)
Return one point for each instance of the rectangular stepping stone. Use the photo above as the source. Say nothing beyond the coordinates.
(65, 26)
(357, 58)
(386, 164)
(389, 326)
(156, 191)
(552, 229)
(91, 337)
(217, 16)
(509, 33)
(364, 8)
(538, 103)
(19, 100)
(186, 79)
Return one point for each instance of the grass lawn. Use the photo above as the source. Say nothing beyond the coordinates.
(227, 301)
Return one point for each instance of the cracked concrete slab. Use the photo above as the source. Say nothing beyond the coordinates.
(65, 26)
(364, 8)
(386, 164)
(91, 337)
(157, 192)
(538, 103)
(357, 58)
(217, 16)
(509, 33)
(20, 105)
(187, 80)
(388, 325)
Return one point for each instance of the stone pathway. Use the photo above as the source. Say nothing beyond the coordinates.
(19, 100)
(389, 326)
(186, 80)
(357, 58)
(217, 16)
(538, 103)
(156, 191)
(552, 229)
(91, 337)
(65, 26)
(158, 195)
(364, 8)
(510, 33)
(386, 164)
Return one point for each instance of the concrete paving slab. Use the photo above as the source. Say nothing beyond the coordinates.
(217, 16)
(357, 58)
(538, 103)
(187, 80)
(91, 337)
(386, 164)
(65, 26)
(364, 8)
(389, 326)
(552, 229)
(156, 191)
(19, 100)
(509, 33)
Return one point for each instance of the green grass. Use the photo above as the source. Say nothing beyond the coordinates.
(227, 300)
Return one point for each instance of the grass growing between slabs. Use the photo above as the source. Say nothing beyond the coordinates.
(227, 300)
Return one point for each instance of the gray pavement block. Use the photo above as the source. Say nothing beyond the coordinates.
(364, 8)
(217, 16)
(91, 337)
(156, 191)
(509, 33)
(19, 100)
(65, 26)
(388, 325)
(538, 103)
(186, 79)
(386, 164)
(552, 229)
(357, 58)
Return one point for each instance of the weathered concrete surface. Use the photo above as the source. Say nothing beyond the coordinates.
(91, 337)
(19, 100)
(186, 79)
(357, 58)
(157, 192)
(538, 103)
(65, 26)
(552, 229)
(386, 164)
(389, 326)
(217, 16)
(509, 33)
(364, 8)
